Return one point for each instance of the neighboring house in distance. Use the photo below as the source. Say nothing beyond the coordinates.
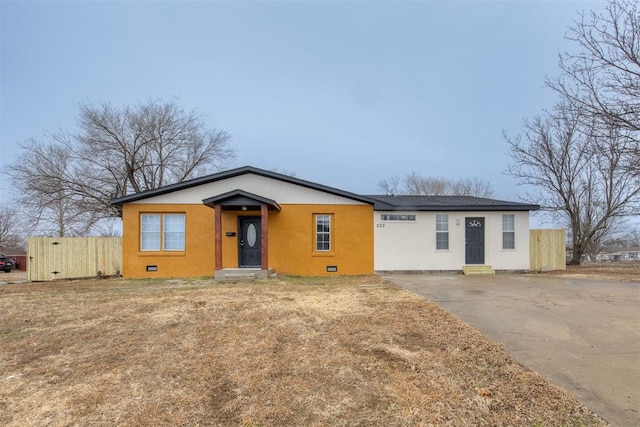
(446, 233)
(619, 254)
(19, 256)
(250, 218)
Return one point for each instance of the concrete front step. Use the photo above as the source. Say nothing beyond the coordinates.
(242, 274)
(477, 270)
(238, 277)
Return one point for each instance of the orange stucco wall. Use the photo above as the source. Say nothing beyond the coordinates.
(292, 240)
(195, 261)
(290, 248)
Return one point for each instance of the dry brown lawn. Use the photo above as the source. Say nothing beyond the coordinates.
(624, 270)
(289, 351)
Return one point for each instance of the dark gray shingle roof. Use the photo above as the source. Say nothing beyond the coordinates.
(380, 202)
(446, 203)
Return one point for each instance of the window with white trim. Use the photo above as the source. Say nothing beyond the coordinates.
(442, 232)
(323, 233)
(508, 231)
(162, 232)
(397, 217)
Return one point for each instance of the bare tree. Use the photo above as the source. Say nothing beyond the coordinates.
(584, 156)
(602, 78)
(625, 235)
(390, 185)
(44, 174)
(472, 187)
(416, 184)
(67, 182)
(633, 237)
(139, 148)
(604, 238)
(578, 175)
(10, 231)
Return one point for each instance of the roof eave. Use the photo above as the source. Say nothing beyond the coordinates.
(473, 208)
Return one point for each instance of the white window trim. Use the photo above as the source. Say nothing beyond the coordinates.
(443, 232)
(317, 233)
(398, 217)
(153, 235)
(162, 233)
(513, 231)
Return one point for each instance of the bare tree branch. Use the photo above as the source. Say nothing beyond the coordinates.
(415, 184)
(10, 232)
(579, 176)
(68, 181)
(602, 78)
(584, 156)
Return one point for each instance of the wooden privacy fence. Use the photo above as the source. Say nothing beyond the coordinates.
(547, 250)
(52, 258)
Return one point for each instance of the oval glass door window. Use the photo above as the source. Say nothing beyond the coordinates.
(251, 235)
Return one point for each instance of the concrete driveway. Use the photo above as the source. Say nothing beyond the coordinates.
(583, 335)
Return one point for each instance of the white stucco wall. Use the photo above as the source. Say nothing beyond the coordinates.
(411, 245)
(279, 191)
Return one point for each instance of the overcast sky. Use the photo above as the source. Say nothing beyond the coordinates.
(340, 93)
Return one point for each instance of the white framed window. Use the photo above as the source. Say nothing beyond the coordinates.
(508, 231)
(162, 232)
(397, 217)
(442, 232)
(173, 232)
(150, 232)
(323, 233)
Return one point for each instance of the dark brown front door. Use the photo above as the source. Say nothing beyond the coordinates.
(249, 249)
(474, 237)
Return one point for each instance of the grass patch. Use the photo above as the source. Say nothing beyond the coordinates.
(290, 351)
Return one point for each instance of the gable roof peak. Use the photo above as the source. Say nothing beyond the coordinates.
(230, 173)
